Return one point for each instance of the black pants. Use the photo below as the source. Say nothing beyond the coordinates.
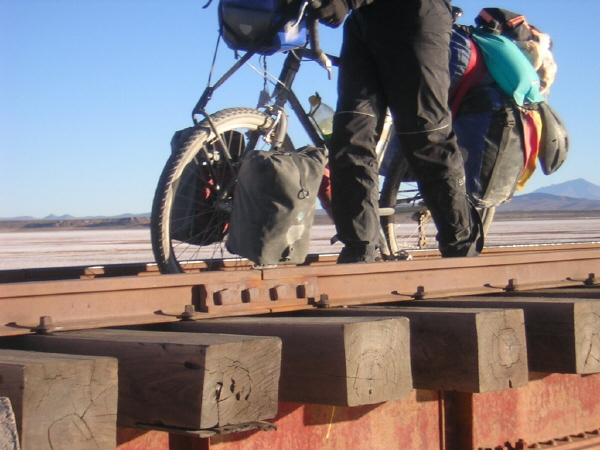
(395, 54)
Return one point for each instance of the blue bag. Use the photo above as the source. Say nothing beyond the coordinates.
(264, 26)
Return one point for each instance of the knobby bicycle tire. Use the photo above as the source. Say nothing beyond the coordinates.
(394, 198)
(390, 197)
(194, 195)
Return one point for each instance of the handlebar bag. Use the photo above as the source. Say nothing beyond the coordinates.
(263, 26)
(274, 205)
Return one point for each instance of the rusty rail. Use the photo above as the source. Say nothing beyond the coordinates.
(150, 268)
(92, 301)
(46, 300)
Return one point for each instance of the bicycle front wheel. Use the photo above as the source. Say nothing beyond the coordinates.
(194, 196)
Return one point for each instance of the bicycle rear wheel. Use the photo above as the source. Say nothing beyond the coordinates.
(194, 196)
(407, 200)
(399, 197)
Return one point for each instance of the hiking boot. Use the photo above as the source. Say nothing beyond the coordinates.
(471, 247)
(358, 254)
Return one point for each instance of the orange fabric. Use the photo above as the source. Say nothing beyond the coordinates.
(517, 21)
(487, 16)
(532, 136)
(325, 192)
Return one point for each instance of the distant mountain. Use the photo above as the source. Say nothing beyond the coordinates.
(124, 216)
(55, 217)
(75, 223)
(579, 188)
(19, 218)
(67, 217)
(547, 202)
(576, 195)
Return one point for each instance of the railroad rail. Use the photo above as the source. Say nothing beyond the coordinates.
(496, 352)
(98, 300)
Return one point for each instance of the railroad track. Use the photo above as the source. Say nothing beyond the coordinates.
(90, 297)
(467, 334)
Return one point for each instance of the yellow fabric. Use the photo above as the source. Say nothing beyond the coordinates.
(534, 124)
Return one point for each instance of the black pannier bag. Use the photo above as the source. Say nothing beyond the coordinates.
(264, 26)
(274, 205)
(489, 132)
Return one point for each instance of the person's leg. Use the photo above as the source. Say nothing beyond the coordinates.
(416, 82)
(352, 160)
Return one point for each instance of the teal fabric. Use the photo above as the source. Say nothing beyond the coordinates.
(509, 67)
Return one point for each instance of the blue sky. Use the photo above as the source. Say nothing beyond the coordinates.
(91, 92)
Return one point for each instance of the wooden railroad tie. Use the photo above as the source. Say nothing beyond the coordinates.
(61, 401)
(181, 380)
(9, 438)
(563, 334)
(339, 361)
(466, 350)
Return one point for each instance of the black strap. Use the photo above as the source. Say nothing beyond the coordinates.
(303, 193)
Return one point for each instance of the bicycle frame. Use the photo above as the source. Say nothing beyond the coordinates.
(283, 95)
(208, 145)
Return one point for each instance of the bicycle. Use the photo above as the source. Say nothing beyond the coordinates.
(196, 189)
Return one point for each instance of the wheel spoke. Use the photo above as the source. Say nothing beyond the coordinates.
(194, 197)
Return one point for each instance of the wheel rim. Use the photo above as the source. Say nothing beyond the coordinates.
(192, 235)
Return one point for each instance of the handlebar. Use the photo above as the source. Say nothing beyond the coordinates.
(319, 55)
(315, 53)
(313, 34)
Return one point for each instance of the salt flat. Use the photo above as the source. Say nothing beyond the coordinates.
(91, 247)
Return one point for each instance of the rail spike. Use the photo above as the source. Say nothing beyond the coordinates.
(46, 326)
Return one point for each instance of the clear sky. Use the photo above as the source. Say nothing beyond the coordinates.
(91, 92)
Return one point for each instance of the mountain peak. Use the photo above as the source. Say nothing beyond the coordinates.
(55, 217)
(578, 188)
